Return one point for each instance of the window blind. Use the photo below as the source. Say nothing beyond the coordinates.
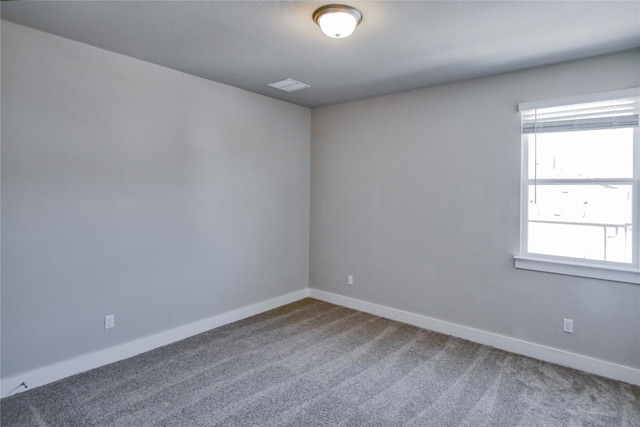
(601, 114)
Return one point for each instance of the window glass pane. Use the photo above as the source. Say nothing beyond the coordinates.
(594, 203)
(585, 154)
(581, 221)
(580, 242)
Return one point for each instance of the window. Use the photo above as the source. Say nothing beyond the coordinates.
(579, 207)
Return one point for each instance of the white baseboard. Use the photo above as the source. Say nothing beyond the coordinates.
(76, 365)
(514, 345)
(85, 362)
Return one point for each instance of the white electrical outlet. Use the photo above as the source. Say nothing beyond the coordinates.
(349, 280)
(109, 321)
(567, 326)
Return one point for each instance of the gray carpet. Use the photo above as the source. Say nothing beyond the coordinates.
(315, 364)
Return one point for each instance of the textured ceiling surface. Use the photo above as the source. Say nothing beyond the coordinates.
(398, 46)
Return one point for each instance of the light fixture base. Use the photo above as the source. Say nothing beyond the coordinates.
(322, 15)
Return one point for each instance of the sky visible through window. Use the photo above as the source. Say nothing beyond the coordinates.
(581, 219)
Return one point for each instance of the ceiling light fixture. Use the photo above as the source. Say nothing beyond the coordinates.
(336, 20)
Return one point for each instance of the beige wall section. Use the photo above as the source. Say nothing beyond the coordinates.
(132, 189)
(416, 194)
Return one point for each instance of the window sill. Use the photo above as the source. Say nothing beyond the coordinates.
(575, 268)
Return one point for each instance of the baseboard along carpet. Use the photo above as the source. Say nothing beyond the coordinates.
(311, 363)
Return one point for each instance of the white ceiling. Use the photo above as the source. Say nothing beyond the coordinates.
(398, 46)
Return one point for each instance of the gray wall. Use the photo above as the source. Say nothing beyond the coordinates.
(417, 195)
(132, 189)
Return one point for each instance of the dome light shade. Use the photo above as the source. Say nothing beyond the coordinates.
(336, 20)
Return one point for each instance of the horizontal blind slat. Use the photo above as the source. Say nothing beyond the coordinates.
(580, 124)
(611, 114)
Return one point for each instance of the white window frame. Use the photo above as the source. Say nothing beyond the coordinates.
(605, 270)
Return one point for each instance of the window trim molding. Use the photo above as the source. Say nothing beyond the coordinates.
(580, 269)
(580, 99)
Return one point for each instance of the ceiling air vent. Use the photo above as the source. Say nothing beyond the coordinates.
(288, 85)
